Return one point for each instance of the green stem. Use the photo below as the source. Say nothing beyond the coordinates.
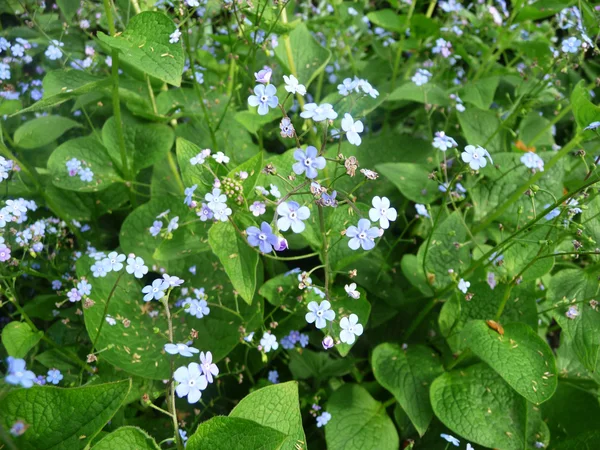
(324, 250)
(110, 296)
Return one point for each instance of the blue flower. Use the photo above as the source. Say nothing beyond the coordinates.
(208, 367)
(18, 428)
(205, 213)
(84, 288)
(323, 419)
(571, 45)
(98, 270)
(189, 192)
(318, 113)
(113, 262)
(319, 313)
(156, 227)
(180, 349)
(303, 340)
(292, 215)
(264, 238)
(18, 374)
(328, 200)
(592, 126)
(136, 267)
(308, 161)
(450, 439)
(173, 224)
(362, 236)
(156, 291)
(191, 382)
(273, 376)
(264, 97)
(532, 161)
(54, 376)
(552, 214)
(196, 308)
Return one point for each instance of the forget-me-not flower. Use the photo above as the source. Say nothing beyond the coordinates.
(292, 215)
(262, 238)
(180, 349)
(350, 329)
(209, 369)
(264, 97)
(308, 162)
(191, 382)
(318, 113)
(362, 236)
(352, 128)
(54, 376)
(382, 212)
(269, 342)
(319, 313)
(136, 267)
(156, 290)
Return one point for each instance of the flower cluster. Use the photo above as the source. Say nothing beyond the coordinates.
(79, 168)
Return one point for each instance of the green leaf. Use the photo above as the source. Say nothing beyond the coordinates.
(497, 185)
(320, 365)
(479, 127)
(68, 7)
(280, 288)
(358, 422)
(308, 57)
(585, 441)
(408, 375)
(61, 418)
(226, 433)
(388, 19)
(145, 45)
(584, 110)
(238, 259)
(583, 332)
(18, 338)
(412, 180)
(92, 154)
(188, 240)
(442, 253)
(428, 93)
(456, 313)
(520, 356)
(192, 174)
(276, 407)
(62, 85)
(571, 412)
(127, 438)
(146, 143)
(43, 130)
(135, 347)
(479, 405)
(481, 92)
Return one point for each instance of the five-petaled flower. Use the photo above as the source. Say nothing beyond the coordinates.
(319, 313)
(308, 162)
(291, 214)
(350, 329)
(382, 212)
(262, 238)
(362, 236)
(191, 382)
(264, 97)
(156, 291)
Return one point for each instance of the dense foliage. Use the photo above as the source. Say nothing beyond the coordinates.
(289, 225)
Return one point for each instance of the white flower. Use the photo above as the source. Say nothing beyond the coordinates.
(191, 382)
(221, 158)
(443, 142)
(421, 210)
(351, 291)
(350, 329)
(347, 86)
(293, 86)
(216, 200)
(319, 313)
(421, 77)
(475, 156)
(136, 267)
(181, 349)
(200, 158)
(269, 342)
(208, 368)
(174, 36)
(382, 212)
(450, 439)
(318, 113)
(352, 129)
(463, 286)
